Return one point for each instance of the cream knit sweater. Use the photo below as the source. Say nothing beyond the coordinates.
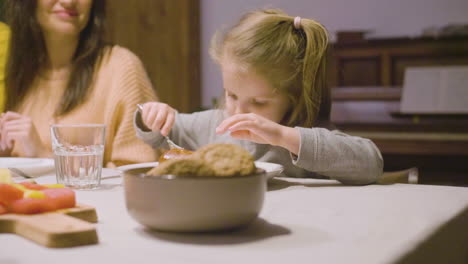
(120, 83)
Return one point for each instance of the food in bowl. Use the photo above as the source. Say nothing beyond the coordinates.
(174, 153)
(223, 160)
(183, 167)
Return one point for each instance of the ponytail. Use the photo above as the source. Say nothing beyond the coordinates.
(313, 70)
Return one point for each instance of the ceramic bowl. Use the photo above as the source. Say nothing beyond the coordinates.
(193, 204)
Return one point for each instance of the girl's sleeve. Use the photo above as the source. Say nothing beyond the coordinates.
(153, 139)
(190, 131)
(348, 159)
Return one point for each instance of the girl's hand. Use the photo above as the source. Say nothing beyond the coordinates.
(19, 129)
(158, 117)
(260, 130)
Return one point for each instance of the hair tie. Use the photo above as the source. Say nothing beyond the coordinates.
(297, 22)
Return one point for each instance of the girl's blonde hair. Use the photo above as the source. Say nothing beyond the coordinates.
(291, 58)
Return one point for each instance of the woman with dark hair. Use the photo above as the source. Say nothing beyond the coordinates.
(60, 71)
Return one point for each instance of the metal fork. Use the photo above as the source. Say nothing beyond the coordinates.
(20, 173)
(171, 144)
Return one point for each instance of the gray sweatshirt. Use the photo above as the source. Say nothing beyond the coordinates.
(322, 153)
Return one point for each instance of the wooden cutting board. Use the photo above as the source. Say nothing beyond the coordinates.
(64, 228)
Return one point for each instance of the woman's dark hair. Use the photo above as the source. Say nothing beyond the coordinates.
(28, 54)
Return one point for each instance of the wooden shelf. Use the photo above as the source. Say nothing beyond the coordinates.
(366, 93)
(382, 62)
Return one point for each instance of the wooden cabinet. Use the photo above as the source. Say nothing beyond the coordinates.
(382, 62)
(436, 144)
(366, 77)
(165, 34)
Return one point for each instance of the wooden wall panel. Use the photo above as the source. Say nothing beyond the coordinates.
(359, 72)
(165, 34)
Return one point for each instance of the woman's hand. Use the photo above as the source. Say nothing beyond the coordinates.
(158, 117)
(260, 130)
(19, 129)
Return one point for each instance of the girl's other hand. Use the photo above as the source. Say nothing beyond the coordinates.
(158, 117)
(260, 130)
(19, 129)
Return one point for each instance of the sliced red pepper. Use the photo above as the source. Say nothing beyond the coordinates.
(33, 186)
(56, 198)
(31, 206)
(3, 209)
(12, 198)
(61, 197)
(9, 193)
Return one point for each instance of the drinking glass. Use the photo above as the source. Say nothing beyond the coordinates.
(78, 153)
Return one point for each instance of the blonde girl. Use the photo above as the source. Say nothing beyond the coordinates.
(276, 103)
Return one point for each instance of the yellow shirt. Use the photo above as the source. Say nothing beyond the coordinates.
(4, 37)
(120, 84)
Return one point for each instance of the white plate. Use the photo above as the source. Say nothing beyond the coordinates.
(137, 166)
(272, 169)
(108, 173)
(33, 167)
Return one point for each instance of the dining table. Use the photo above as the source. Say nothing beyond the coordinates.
(301, 221)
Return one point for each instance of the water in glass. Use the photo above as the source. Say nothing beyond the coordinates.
(79, 166)
(78, 152)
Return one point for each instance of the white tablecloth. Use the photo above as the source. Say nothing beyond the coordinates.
(302, 221)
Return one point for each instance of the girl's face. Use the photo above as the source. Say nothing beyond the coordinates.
(63, 16)
(247, 92)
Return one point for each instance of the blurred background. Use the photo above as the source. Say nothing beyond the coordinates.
(397, 69)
